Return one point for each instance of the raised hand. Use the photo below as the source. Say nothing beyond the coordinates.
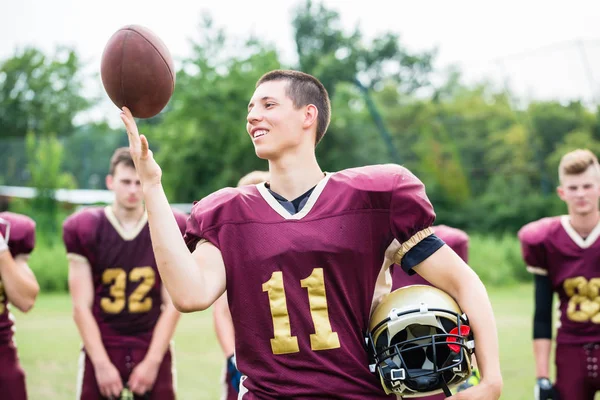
(147, 168)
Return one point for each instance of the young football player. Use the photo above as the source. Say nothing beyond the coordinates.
(19, 288)
(306, 256)
(563, 253)
(222, 317)
(121, 308)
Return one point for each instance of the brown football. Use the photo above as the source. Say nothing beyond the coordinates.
(137, 71)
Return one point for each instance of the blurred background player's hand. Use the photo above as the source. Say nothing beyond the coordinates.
(544, 390)
(147, 168)
(109, 380)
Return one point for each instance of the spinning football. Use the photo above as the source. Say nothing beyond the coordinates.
(137, 71)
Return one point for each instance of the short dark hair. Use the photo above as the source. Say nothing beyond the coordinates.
(304, 89)
(120, 156)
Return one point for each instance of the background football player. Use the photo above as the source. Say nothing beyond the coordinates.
(18, 287)
(222, 317)
(304, 258)
(122, 311)
(564, 254)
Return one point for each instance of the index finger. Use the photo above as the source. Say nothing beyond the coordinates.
(132, 132)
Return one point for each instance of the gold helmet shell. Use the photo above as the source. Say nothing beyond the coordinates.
(420, 342)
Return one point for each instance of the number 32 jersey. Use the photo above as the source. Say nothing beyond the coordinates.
(301, 286)
(552, 247)
(127, 286)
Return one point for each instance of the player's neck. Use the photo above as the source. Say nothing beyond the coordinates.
(128, 217)
(584, 224)
(292, 177)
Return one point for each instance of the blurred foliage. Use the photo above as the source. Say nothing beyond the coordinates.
(488, 162)
(44, 165)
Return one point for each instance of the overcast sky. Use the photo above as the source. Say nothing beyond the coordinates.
(531, 42)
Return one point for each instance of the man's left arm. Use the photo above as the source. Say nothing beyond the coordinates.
(448, 272)
(144, 374)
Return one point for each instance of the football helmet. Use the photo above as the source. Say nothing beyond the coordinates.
(419, 342)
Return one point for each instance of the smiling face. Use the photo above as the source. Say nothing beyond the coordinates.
(273, 123)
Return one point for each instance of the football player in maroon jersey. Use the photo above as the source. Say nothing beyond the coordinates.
(303, 275)
(18, 287)
(222, 317)
(121, 308)
(563, 253)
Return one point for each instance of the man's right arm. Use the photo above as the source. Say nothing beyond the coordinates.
(82, 295)
(194, 280)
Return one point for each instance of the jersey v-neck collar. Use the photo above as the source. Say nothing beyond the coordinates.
(279, 209)
(125, 235)
(575, 237)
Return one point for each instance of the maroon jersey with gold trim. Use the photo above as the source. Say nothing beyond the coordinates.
(301, 287)
(455, 238)
(552, 247)
(21, 240)
(127, 285)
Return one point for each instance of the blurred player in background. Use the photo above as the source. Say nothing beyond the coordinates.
(122, 311)
(563, 253)
(18, 287)
(222, 317)
(305, 256)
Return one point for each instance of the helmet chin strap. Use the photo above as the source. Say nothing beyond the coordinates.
(445, 388)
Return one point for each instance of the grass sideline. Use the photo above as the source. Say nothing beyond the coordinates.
(49, 348)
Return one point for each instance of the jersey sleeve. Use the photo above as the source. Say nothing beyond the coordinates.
(533, 250)
(78, 235)
(181, 219)
(206, 215)
(22, 236)
(411, 218)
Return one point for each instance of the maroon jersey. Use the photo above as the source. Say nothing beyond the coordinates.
(127, 285)
(455, 238)
(301, 287)
(552, 247)
(19, 232)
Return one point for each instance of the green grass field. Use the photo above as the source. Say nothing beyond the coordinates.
(49, 348)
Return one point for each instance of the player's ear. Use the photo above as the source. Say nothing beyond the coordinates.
(560, 192)
(109, 182)
(310, 115)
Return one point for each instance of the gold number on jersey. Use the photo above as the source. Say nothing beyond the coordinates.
(2, 299)
(137, 301)
(283, 342)
(584, 299)
(323, 338)
(117, 279)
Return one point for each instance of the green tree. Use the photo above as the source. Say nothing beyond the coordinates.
(202, 142)
(44, 165)
(41, 94)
